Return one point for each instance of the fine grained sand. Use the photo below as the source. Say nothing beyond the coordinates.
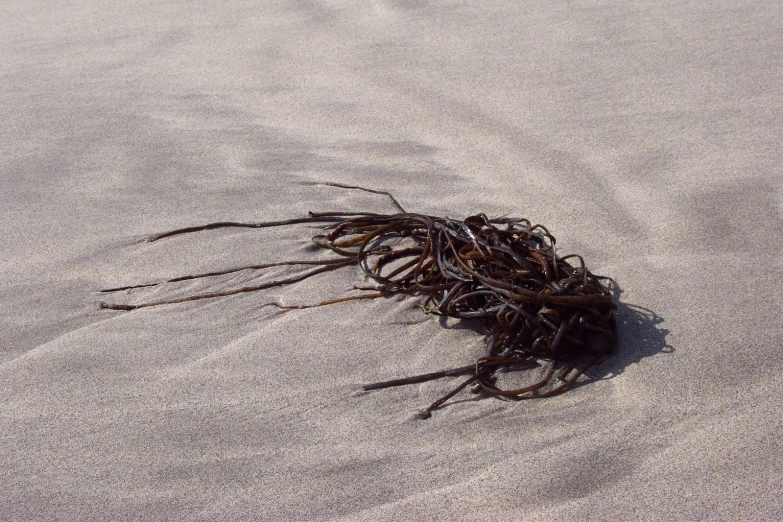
(646, 136)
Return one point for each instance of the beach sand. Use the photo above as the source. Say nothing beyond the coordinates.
(645, 136)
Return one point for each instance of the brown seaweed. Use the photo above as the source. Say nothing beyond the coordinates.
(539, 310)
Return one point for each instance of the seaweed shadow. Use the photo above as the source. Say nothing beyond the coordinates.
(639, 335)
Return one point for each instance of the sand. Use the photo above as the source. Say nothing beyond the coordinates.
(646, 136)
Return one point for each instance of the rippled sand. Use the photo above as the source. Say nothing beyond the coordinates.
(647, 137)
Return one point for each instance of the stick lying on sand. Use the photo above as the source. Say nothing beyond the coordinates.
(539, 309)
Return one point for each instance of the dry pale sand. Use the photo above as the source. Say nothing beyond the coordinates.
(646, 135)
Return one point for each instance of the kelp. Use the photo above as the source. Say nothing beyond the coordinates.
(540, 311)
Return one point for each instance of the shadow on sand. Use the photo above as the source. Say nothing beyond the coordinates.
(639, 335)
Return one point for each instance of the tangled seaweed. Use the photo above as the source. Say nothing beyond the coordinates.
(540, 310)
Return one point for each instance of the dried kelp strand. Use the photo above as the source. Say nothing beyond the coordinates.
(541, 312)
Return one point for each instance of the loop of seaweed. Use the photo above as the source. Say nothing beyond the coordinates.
(538, 308)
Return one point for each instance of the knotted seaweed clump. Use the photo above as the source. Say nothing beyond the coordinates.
(539, 310)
